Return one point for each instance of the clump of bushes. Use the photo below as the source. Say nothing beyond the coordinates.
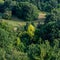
(32, 43)
(26, 11)
(7, 14)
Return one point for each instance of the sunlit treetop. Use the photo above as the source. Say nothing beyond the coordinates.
(1, 1)
(31, 30)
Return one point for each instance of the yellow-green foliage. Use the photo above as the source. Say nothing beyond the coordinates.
(18, 41)
(43, 51)
(2, 54)
(31, 30)
(1, 1)
(17, 55)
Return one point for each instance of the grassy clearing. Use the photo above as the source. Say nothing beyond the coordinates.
(21, 23)
(15, 21)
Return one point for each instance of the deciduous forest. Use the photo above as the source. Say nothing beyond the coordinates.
(29, 29)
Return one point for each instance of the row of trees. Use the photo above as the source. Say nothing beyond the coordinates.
(44, 5)
(22, 10)
(26, 9)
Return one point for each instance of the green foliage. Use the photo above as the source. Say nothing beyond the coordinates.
(25, 38)
(6, 26)
(17, 55)
(49, 5)
(31, 30)
(18, 41)
(7, 15)
(50, 31)
(26, 11)
(1, 6)
(30, 42)
(19, 45)
(50, 52)
(53, 16)
(7, 3)
(6, 40)
(34, 52)
(44, 5)
(50, 17)
(2, 54)
(14, 55)
(1, 1)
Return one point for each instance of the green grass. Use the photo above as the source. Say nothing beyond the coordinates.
(14, 22)
(21, 23)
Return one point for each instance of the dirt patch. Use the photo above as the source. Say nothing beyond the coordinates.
(41, 15)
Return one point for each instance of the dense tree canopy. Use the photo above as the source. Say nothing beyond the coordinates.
(25, 10)
(29, 39)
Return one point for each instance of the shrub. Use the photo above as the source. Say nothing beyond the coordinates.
(50, 31)
(6, 40)
(17, 55)
(25, 38)
(7, 15)
(2, 54)
(4, 25)
(19, 45)
(34, 52)
(53, 16)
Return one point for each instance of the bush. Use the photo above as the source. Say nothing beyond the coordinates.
(19, 45)
(26, 11)
(34, 52)
(53, 16)
(4, 25)
(7, 15)
(6, 40)
(25, 38)
(17, 55)
(50, 31)
(2, 54)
